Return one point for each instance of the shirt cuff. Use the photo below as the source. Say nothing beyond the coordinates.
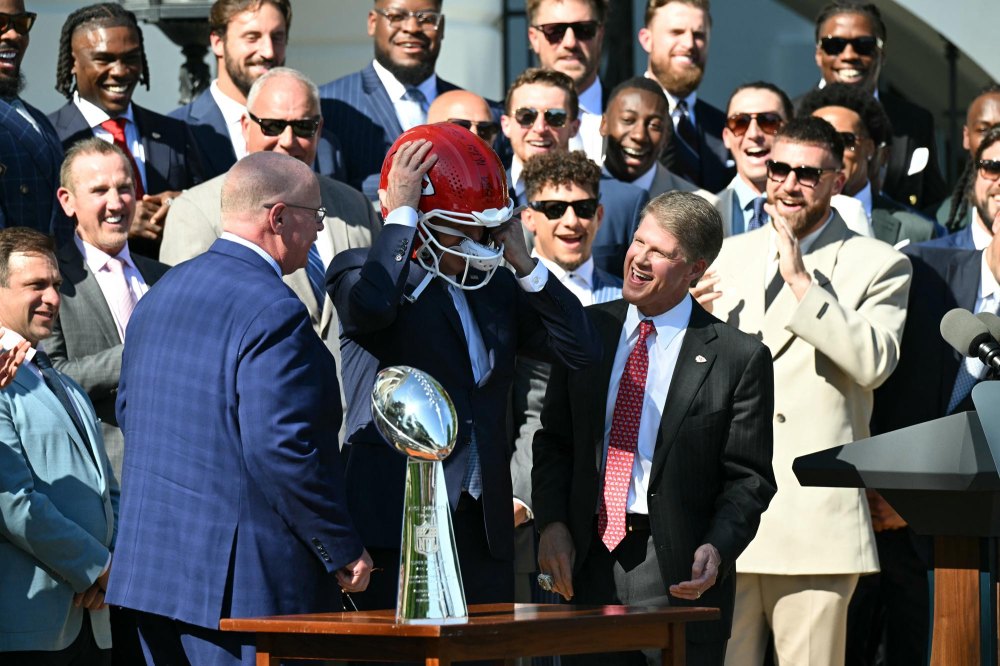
(404, 215)
(535, 280)
(530, 513)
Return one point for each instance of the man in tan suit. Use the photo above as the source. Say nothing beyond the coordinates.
(830, 305)
(282, 116)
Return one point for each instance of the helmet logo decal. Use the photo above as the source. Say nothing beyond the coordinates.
(427, 187)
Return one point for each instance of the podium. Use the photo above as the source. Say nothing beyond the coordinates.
(942, 477)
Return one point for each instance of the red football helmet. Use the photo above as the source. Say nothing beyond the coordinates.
(466, 186)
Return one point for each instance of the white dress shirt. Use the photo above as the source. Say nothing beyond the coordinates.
(588, 137)
(111, 287)
(94, 115)
(409, 112)
(22, 111)
(232, 113)
(980, 237)
(664, 348)
(579, 281)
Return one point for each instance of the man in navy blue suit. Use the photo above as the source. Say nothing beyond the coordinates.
(30, 153)
(230, 408)
(429, 295)
(101, 61)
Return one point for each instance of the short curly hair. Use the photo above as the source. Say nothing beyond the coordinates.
(873, 116)
(560, 169)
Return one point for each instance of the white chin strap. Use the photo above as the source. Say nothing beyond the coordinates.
(478, 257)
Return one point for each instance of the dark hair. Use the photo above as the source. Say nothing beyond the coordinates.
(223, 11)
(89, 146)
(548, 77)
(873, 116)
(598, 7)
(813, 131)
(962, 194)
(24, 240)
(559, 168)
(692, 220)
(866, 9)
(786, 102)
(637, 83)
(653, 5)
(107, 15)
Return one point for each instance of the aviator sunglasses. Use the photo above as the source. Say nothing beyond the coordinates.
(769, 122)
(806, 175)
(21, 22)
(554, 32)
(989, 169)
(863, 46)
(304, 128)
(485, 129)
(526, 116)
(554, 210)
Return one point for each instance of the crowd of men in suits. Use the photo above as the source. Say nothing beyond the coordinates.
(643, 308)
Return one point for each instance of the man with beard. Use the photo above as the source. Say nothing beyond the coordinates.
(368, 109)
(567, 36)
(676, 38)
(830, 305)
(101, 61)
(30, 152)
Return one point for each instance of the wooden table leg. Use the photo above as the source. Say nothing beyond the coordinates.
(264, 649)
(674, 654)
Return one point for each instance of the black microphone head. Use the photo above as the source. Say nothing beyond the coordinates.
(963, 331)
(992, 322)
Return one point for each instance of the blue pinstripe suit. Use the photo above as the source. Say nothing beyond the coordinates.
(30, 177)
(357, 109)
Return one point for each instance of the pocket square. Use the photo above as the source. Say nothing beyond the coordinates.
(700, 359)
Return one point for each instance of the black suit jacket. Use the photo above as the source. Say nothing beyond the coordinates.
(713, 174)
(711, 476)
(173, 161)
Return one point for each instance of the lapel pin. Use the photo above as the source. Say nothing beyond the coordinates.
(155, 135)
(700, 359)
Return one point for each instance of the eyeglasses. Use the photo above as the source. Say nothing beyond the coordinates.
(526, 116)
(319, 213)
(863, 46)
(427, 20)
(807, 176)
(582, 30)
(304, 128)
(769, 122)
(554, 210)
(485, 130)
(989, 169)
(20, 22)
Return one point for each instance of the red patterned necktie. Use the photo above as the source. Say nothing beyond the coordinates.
(116, 126)
(623, 441)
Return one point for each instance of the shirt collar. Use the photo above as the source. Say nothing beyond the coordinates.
(258, 250)
(980, 237)
(865, 197)
(744, 193)
(396, 90)
(987, 282)
(805, 244)
(590, 99)
(96, 258)
(667, 324)
(584, 273)
(232, 111)
(95, 115)
(516, 167)
(672, 100)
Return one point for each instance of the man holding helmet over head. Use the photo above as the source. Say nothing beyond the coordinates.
(428, 294)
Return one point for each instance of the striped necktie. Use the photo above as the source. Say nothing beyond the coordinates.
(316, 271)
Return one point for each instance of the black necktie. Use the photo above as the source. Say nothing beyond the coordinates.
(55, 384)
(686, 129)
(773, 288)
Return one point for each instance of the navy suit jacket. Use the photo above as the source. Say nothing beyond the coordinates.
(172, 159)
(713, 174)
(230, 406)
(960, 240)
(381, 327)
(357, 109)
(208, 126)
(29, 173)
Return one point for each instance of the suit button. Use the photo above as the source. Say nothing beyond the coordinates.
(25, 189)
(780, 418)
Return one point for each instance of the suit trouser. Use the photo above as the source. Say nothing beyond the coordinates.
(169, 642)
(83, 651)
(807, 613)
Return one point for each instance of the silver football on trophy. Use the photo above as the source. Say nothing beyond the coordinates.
(413, 412)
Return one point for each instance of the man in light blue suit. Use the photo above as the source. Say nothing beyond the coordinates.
(229, 404)
(59, 496)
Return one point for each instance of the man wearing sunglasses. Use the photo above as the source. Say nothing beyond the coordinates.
(467, 110)
(541, 116)
(830, 305)
(101, 61)
(282, 116)
(30, 151)
(850, 48)
(865, 129)
(567, 36)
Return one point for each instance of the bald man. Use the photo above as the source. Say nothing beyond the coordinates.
(234, 353)
(467, 109)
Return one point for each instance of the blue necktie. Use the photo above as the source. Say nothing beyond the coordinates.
(759, 217)
(317, 275)
(52, 380)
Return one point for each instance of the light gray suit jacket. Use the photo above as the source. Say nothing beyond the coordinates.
(85, 345)
(57, 516)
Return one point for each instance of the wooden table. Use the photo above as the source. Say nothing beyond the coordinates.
(498, 632)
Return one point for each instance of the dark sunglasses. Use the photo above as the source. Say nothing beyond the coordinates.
(582, 30)
(485, 130)
(304, 128)
(863, 46)
(806, 175)
(554, 210)
(21, 22)
(526, 116)
(769, 123)
(989, 169)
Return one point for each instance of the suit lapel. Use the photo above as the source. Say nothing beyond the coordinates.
(71, 125)
(885, 226)
(91, 297)
(156, 152)
(383, 111)
(35, 387)
(963, 277)
(34, 143)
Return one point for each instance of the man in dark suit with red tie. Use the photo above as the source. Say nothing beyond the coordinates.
(652, 468)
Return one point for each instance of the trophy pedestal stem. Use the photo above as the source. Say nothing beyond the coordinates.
(430, 580)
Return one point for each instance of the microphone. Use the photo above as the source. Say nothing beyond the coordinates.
(992, 322)
(971, 337)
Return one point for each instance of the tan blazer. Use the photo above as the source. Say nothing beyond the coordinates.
(830, 350)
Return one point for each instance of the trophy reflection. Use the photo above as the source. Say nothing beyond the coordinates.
(413, 412)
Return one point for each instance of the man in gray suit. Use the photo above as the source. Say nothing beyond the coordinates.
(59, 499)
(102, 280)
